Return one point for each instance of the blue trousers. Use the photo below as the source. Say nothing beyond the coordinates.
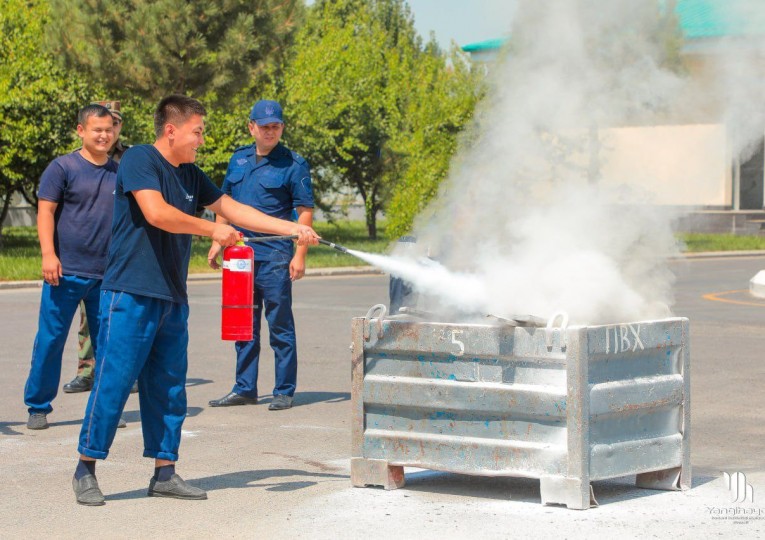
(57, 308)
(273, 293)
(144, 338)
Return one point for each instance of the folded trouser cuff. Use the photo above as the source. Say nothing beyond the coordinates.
(92, 453)
(158, 454)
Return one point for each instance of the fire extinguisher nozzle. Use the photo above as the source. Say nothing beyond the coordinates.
(333, 245)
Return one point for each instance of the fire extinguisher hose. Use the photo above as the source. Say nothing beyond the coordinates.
(338, 247)
(268, 238)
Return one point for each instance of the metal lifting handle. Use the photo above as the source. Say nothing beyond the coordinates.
(550, 329)
(368, 320)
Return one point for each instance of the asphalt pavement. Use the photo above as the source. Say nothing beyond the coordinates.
(286, 473)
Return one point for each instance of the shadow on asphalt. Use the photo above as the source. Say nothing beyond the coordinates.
(197, 382)
(270, 480)
(6, 428)
(306, 398)
(135, 415)
(525, 489)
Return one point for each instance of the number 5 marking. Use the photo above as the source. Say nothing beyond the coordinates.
(458, 342)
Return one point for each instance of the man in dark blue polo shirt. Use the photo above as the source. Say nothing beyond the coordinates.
(74, 216)
(277, 181)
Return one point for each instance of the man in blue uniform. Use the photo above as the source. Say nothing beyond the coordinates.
(144, 304)
(74, 217)
(270, 177)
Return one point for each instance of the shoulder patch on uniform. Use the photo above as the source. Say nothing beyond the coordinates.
(297, 157)
(241, 161)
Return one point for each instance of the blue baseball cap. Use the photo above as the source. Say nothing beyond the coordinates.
(265, 112)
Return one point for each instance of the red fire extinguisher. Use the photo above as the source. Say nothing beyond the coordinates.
(238, 286)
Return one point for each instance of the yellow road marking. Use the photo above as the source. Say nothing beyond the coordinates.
(715, 297)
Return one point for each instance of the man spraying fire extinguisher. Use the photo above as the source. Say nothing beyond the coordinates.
(144, 303)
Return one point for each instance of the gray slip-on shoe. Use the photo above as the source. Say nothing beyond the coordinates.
(122, 422)
(37, 420)
(177, 488)
(280, 402)
(87, 491)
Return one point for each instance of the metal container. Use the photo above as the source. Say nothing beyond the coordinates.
(567, 405)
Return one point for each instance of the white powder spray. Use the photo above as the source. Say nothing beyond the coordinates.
(526, 222)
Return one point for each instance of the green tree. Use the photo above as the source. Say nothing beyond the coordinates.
(442, 96)
(226, 129)
(38, 102)
(211, 49)
(349, 94)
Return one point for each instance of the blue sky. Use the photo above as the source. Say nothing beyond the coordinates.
(464, 21)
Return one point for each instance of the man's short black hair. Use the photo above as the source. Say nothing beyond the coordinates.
(175, 109)
(94, 109)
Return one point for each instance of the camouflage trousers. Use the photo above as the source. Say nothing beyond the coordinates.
(85, 356)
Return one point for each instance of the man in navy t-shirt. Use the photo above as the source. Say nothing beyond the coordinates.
(144, 305)
(74, 216)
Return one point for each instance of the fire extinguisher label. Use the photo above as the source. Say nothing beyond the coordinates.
(238, 265)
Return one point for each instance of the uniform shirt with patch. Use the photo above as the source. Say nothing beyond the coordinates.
(144, 259)
(84, 193)
(276, 184)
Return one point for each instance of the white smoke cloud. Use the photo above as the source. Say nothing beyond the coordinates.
(526, 221)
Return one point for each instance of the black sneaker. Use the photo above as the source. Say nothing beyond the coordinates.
(87, 491)
(176, 488)
(79, 384)
(280, 402)
(37, 420)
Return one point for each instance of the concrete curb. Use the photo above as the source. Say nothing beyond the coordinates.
(215, 276)
(311, 272)
(371, 270)
(718, 254)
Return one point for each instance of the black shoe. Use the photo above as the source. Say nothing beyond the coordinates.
(232, 399)
(79, 384)
(177, 488)
(87, 491)
(280, 402)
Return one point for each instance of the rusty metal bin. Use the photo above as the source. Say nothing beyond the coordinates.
(565, 405)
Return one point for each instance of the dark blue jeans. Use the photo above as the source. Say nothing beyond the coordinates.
(273, 293)
(57, 307)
